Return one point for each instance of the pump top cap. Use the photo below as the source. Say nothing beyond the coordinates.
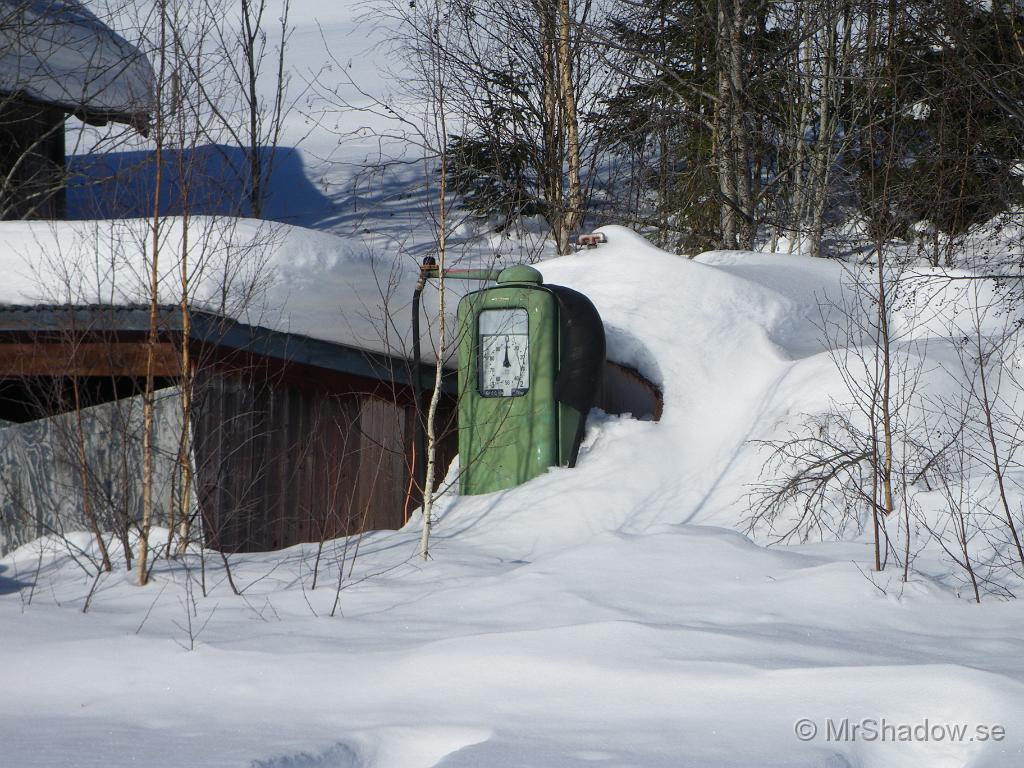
(520, 273)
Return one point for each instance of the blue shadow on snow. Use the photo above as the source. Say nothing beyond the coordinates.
(212, 179)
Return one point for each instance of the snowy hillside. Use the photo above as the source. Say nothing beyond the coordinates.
(604, 615)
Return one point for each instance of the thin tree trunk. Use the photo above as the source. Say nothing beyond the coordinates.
(740, 135)
(252, 104)
(797, 211)
(663, 144)
(551, 151)
(127, 482)
(435, 395)
(573, 217)
(440, 128)
(722, 140)
(886, 399)
(185, 385)
(819, 167)
(876, 522)
(152, 335)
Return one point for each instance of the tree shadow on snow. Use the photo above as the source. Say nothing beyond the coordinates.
(339, 756)
(10, 586)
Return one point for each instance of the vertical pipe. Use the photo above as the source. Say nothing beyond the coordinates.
(416, 370)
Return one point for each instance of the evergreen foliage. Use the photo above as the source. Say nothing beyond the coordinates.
(729, 123)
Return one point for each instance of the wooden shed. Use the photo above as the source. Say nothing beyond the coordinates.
(293, 439)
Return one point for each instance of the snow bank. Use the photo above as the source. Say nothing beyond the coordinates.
(723, 348)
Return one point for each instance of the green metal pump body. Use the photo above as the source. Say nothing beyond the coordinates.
(519, 413)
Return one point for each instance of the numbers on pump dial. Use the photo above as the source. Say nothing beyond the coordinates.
(504, 352)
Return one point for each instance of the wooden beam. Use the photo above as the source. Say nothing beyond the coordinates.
(86, 359)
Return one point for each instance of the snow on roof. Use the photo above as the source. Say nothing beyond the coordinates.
(57, 52)
(274, 276)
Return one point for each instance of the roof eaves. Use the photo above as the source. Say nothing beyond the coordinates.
(215, 329)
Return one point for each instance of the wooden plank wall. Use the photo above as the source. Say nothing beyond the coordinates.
(278, 464)
(283, 453)
(383, 470)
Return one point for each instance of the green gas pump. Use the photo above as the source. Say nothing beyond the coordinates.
(530, 361)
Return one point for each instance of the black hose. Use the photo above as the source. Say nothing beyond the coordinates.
(420, 459)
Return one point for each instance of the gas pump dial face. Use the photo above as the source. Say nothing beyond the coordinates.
(504, 360)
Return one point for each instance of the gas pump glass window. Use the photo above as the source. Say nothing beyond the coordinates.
(504, 359)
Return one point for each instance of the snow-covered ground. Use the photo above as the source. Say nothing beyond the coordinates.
(611, 615)
(605, 615)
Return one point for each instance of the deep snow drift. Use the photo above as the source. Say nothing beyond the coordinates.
(606, 615)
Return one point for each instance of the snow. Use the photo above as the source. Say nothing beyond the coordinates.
(614, 614)
(294, 279)
(58, 52)
(609, 614)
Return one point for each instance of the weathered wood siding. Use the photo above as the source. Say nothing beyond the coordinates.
(278, 463)
(383, 477)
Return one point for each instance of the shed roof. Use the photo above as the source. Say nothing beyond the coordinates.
(57, 52)
(212, 328)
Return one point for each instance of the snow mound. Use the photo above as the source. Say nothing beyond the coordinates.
(723, 348)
